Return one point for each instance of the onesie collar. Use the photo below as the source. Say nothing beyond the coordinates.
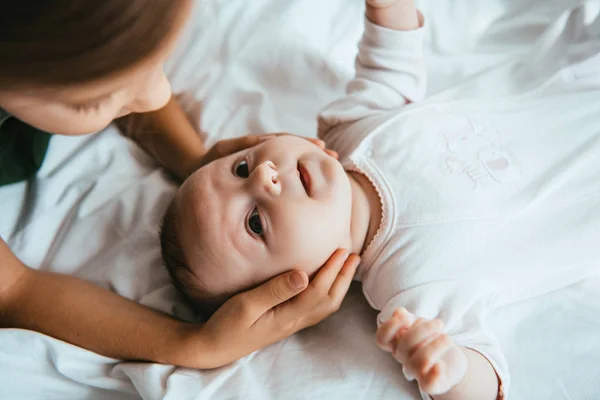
(359, 163)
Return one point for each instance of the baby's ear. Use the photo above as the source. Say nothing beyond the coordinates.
(202, 315)
(203, 312)
(206, 307)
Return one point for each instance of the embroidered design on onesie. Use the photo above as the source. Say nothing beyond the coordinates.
(476, 151)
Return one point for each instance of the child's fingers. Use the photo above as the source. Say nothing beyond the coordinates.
(317, 142)
(332, 153)
(226, 147)
(326, 291)
(344, 278)
(419, 335)
(329, 272)
(424, 359)
(258, 301)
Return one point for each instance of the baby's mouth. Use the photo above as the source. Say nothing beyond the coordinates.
(304, 178)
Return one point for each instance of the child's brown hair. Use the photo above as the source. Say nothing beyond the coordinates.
(57, 42)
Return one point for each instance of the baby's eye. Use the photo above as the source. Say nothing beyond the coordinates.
(241, 169)
(254, 223)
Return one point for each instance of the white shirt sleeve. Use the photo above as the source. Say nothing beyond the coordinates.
(463, 307)
(390, 73)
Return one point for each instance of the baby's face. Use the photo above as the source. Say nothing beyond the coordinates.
(280, 205)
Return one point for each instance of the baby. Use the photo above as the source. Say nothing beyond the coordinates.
(449, 203)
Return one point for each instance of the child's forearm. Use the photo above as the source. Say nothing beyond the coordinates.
(480, 382)
(168, 136)
(400, 15)
(88, 316)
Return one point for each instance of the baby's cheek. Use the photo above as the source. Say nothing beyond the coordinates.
(315, 232)
(321, 244)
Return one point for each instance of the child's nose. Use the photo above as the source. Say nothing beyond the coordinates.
(266, 179)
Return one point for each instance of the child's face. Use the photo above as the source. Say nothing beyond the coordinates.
(280, 205)
(77, 109)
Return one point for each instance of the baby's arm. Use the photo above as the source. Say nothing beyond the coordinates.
(400, 15)
(442, 369)
(390, 68)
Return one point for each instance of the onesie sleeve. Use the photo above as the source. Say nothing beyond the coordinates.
(390, 73)
(463, 308)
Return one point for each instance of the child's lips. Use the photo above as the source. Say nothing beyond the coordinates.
(304, 178)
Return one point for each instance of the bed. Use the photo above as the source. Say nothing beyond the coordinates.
(270, 65)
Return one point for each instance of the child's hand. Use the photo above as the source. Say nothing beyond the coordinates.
(425, 351)
(273, 311)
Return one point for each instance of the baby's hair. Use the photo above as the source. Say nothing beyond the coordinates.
(172, 253)
(179, 270)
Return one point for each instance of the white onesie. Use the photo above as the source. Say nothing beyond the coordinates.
(484, 203)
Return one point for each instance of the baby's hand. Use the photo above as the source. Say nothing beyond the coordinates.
(381, 3)
(400, 15)
(425, 351)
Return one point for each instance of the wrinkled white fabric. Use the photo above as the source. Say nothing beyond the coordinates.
(251, 66)
(484, 203)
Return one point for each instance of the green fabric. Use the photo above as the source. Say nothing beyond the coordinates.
(22, 149)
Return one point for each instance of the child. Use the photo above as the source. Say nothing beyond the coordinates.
(72, 67)
(449, 205)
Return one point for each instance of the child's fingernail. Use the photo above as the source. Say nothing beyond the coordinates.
(296, 280)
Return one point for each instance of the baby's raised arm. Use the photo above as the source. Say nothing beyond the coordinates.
(400, 15)
(390, 68)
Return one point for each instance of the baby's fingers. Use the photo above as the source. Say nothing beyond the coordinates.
(420, 333)
(401, 319)
(421, 362)
(430, 382)
(386, 333)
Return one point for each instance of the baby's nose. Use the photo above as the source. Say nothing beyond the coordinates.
(267, 178)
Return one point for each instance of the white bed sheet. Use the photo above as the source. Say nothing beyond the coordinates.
(270, 65)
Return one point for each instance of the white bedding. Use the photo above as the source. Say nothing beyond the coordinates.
(269, 65)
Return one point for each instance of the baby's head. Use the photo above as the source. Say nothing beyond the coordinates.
(245, 218)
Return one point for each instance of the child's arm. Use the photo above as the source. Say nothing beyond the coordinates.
(86, 315)
(442, 369)
(168, 136)
(390, 67)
